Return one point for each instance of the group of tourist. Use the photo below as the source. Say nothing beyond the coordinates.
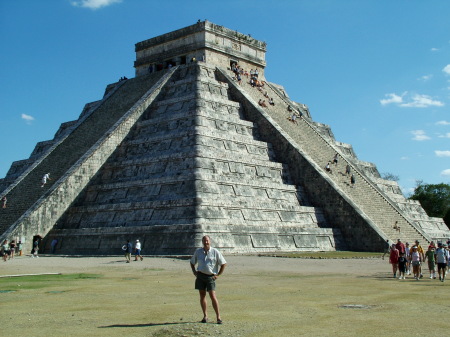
(402, 257)
(128, 250)
(293, 114)
(10, 249)
(348, 170)
(239, 72)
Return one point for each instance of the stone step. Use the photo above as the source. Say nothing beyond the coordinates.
(168, 144)
(202, 178)
(200, 157)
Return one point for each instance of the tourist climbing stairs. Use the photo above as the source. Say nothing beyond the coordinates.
(365, 194)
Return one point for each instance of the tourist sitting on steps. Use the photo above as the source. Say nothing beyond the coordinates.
(294, 118)
(262, 103)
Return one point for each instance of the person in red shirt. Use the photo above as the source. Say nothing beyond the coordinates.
(393, 259)
(400, 246)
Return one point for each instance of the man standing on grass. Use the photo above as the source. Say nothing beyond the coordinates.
(211, 265)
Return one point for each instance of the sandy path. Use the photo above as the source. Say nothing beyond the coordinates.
(236, 264)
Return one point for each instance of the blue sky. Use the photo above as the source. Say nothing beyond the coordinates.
(377, 72)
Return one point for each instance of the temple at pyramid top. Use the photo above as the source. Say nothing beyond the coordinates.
(203, 41)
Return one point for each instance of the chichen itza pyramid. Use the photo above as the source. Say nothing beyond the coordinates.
(184, 150)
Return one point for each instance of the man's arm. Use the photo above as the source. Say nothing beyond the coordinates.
(193, 269)
(222, 268)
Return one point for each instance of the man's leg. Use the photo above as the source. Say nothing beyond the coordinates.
(203, 303)
(215, 303)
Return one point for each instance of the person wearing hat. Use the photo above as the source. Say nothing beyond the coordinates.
(416, 259)
(137, 251)
(430, 255)
(422, 255)
(442, 259)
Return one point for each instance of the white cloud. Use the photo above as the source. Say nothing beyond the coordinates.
(404, 158)
(94, 4)
(421, 101)
(419, 135)
(442, 123)
(446, 173)
(425, 78)
(392, 98)
(447, 135)
(446, 69)
(442, 153)
(412, 101)
(27, 118)
(434, 49)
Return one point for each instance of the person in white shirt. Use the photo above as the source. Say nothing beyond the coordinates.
(210, 265)
(45, 178)
(137, 251)
(442, 258)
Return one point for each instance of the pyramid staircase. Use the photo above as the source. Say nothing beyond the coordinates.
(377, 201)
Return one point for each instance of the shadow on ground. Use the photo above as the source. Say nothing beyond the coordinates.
(143, 325)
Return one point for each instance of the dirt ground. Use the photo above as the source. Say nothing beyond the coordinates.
(259, 296)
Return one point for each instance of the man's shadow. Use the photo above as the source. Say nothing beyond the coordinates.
(143, 325)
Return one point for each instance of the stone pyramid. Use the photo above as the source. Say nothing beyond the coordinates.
(184, 150)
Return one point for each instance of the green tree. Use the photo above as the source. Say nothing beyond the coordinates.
(434, 198)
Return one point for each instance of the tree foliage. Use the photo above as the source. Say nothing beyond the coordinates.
(434, 198)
